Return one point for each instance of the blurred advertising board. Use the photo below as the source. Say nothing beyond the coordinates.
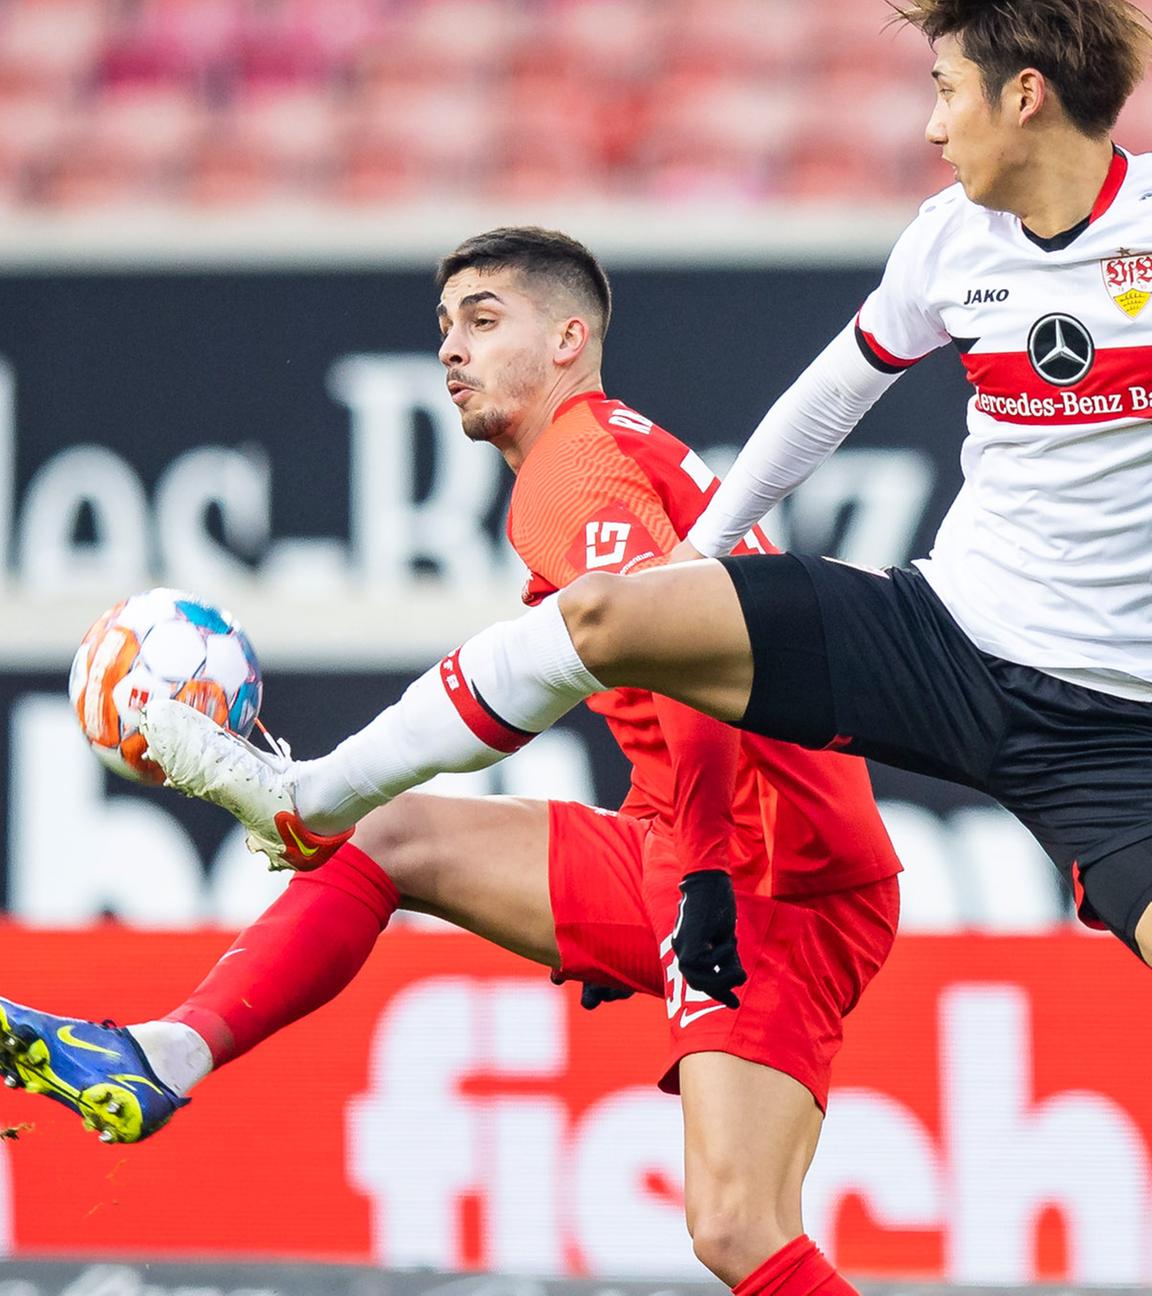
(989, 1122)
(281, 443)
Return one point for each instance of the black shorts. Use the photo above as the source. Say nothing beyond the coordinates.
(872, 663)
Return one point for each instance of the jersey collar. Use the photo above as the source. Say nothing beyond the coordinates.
(580, 398)
(1113, 182)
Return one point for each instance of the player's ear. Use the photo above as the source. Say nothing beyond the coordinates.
(1027, 93)
(572, 337)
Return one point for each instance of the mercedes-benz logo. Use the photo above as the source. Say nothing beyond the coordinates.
(1061, 349)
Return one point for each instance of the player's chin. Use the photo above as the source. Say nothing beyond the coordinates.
(483, 425)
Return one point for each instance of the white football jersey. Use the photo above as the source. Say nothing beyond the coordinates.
(1045, 557)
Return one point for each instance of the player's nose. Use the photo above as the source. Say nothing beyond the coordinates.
(934, 132)
(451, 351)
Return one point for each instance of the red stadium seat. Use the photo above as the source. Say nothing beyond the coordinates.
(225, 169)
(741, 37)
(447, 132)
(152, 123)
(87, 172)
(171, 40)
(54, 41)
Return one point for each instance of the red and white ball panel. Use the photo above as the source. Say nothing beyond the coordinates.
(162, 643)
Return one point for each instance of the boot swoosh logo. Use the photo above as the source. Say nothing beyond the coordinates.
(67, 1036)
(306, 851)
(138, 1079)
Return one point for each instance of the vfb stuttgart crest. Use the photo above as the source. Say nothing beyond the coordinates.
(1128, 279)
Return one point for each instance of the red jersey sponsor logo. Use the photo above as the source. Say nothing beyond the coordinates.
(1128, 278)
(615, 541)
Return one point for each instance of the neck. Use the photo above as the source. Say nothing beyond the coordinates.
(1059, 193)
(537, 420)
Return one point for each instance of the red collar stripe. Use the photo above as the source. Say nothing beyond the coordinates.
(1112, 182)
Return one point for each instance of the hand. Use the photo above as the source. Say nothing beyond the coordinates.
(592, 996)
(684, 552)
(704, 941)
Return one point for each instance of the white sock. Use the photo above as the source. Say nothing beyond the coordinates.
(480, 704)
(175, 1052)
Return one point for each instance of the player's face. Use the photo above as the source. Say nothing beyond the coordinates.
(977, 138)
(495, 348)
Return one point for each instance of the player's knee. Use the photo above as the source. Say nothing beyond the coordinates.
(733, 1241)
(593, 611)
(395, 836)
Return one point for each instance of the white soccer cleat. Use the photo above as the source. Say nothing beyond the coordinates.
(202, 759)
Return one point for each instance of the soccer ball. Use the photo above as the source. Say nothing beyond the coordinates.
(160, 644)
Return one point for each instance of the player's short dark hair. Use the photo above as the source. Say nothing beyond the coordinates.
(539, 254)
(1094, 52)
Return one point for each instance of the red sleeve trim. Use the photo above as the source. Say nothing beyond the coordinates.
(879, 357)
(484, 723)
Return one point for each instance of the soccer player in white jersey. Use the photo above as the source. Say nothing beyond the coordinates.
(1016, 658)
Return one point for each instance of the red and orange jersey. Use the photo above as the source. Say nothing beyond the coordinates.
(605, 489)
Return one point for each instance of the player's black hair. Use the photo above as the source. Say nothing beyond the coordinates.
(1094, 52)
(538, 253)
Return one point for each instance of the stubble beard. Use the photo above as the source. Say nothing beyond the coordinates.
(487, 425)
(520, 383)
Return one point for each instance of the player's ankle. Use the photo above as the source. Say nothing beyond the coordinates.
(175, 1052)
(327, 794)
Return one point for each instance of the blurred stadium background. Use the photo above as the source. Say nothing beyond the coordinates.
(217, 225)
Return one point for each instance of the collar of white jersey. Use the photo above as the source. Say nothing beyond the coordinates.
(1113, 183)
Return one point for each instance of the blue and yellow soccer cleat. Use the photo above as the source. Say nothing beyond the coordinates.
(98, 1071)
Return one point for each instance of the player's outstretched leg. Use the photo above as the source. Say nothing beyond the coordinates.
(99, 1071)
(678, 630)
(479, 863)
(446, 721)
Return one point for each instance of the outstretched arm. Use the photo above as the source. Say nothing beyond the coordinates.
(794, 438)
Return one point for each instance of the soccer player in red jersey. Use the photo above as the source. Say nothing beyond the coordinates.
(718, 828)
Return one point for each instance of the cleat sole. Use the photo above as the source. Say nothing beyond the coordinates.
(110, 1109)
(107, 1103)
(114, 1111)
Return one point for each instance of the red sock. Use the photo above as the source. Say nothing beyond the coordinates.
(301, 952)
(798, 1269)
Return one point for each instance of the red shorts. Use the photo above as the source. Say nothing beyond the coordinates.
(613, 882)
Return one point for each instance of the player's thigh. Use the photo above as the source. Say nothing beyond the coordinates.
(749, 1136)
(676, 630)
(481, 863)
(597, 875)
